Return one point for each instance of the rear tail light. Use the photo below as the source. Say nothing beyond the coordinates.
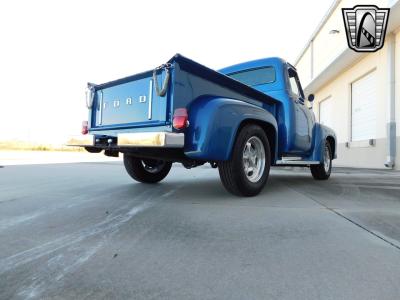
(85, 127)
(180, 118)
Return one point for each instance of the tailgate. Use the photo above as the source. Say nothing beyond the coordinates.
(128, 103)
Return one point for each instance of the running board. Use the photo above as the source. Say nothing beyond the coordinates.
(287, 162)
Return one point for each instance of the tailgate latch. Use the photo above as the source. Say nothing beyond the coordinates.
(161, 92)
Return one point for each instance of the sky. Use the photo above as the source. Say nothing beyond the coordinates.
(49, 50)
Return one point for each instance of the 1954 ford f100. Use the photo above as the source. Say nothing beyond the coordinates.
(242, 119)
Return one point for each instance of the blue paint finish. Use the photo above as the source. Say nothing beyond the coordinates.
(214, 125)
(320, 135)
(217, 105)
(295, 120)
(127, 105)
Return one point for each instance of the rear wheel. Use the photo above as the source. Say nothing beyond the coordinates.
(323, 170)
(246, 173)
(146, 170)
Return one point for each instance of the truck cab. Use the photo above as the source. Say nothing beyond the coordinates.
(279, 79)
(242, 119)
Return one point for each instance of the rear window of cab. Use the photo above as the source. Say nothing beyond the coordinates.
(256, 76)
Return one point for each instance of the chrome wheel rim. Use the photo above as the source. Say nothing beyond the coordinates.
(153, 166)
(327, 160)
(254, 159)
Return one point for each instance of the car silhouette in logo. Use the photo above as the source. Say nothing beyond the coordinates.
(365, 27)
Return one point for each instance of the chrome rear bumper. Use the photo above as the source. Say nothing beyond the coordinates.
(81, 140)
(136, 139)
(151, 139)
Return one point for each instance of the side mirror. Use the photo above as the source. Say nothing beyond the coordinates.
(311, 100)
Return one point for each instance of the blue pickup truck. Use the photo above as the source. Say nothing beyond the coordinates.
(242, 120)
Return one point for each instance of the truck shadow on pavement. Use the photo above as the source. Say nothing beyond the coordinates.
(204, 189)
(209, 186)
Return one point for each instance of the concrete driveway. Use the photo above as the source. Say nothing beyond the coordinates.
(86, 230)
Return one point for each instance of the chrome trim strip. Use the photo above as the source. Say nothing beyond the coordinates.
(291, 158)
(297, 162)
(149, 116)
(101, 108)
(81, 140)
(151, 139)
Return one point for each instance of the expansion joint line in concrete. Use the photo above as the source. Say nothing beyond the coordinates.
(351, 221)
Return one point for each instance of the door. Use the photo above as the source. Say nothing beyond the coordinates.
(304, 118)
(363, 108)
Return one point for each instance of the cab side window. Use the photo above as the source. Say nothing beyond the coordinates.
(295, 87)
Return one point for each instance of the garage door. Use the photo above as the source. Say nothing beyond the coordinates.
(325, 112)
(363, 108)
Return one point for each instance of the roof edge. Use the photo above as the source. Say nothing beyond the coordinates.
(325, 18)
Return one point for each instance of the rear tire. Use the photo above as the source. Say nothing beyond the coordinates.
(146, 170)
(323, 170)
(246, 173)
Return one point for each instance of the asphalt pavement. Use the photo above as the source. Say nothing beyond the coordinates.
(87, 231)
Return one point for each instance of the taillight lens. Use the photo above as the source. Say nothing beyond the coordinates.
(180, 118)
(85, 127)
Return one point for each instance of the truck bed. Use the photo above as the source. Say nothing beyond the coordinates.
(131, 104)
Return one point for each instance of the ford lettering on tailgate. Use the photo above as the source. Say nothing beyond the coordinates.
(130, 103)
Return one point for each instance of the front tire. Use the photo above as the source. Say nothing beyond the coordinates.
(246, 173)
(323, 170)
(146, 170)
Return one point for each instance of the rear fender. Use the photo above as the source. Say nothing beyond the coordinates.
(214, 123)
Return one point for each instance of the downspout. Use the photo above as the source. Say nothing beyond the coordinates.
(391, 124)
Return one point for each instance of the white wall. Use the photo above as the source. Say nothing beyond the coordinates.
(339, 89)
(326, 49)
(304, 67)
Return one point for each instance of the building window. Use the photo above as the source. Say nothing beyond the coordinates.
(363, 108)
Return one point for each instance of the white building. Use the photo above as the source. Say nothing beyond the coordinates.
(356, 94)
